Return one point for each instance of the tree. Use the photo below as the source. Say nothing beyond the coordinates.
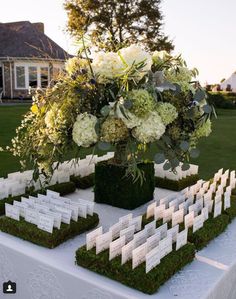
(112, 23)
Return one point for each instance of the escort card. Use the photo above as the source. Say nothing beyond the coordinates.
(209, 205)
(188, 220)
(217, 209)
(151, 209)
(115, 230)
(31, 216)
(53, 194)
(41, 208)
(82, 211)
(153, 259)
(21, 206)
(140, 238)
(183, 206)
(173, 233)
(165, 246)
(153, 241)
(12, 212)
(177, 217)
(162, 230)
(205, 213)
(65, 213)
(126, 252)
(227, 201)
(182, 239)
(137, 222)
(139, 255)
(28, 201)
(128, 233)
(103, 242)
(125, 220)
(150, 228)
(174, 203)
(91, 237)
(116, 247)
(56, 217)
(198, 223)
(158, 213)
(45, 223)
(167, 214)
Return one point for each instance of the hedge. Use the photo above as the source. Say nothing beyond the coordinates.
(83, 182)
(31, 233)
(176, 185)
(113, 187)
(138, 279)
(63, 189)
(222, 100)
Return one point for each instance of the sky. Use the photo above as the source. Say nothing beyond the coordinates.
(204, 31)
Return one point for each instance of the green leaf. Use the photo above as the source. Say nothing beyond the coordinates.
(97, 127)
(174, 163)
(166, 139)
(105, 110)
(207, 109)
(199, 95)
(128, 104)
(184, 145)
(159, 158)
(167, 166)
(185, 166)
(194, 153)
(104, 146)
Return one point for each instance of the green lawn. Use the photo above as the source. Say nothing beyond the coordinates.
(219, 150)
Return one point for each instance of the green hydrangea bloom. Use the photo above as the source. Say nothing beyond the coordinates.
(143, 102)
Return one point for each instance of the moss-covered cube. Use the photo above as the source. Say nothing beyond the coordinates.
(114, 188)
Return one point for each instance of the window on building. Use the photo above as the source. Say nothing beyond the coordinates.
(44, 77)
(20, 77)
(33, 78)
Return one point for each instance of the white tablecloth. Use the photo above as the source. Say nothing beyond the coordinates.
(42, 273)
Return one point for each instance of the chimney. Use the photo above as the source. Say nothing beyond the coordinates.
(39, 27)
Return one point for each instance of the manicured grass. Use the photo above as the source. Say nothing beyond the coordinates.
(216, 151)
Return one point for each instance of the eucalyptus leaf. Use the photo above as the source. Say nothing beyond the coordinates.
(185, 166)
(177, 88)
(97, 128)
(159, 158)
(174, 163)
(194, 153)
(105, 110)
(199, 95)
(167, 166)
(166, 139)
(207, 109)
(184, 145)
(104, 146)
(128, 104)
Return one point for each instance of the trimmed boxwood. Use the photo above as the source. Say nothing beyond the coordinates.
(176, 185)
(137, 278)
(63, 189)
(83, 182)
(114, 188)
(31, 233)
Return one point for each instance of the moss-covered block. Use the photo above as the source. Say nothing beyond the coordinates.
(138, 279)
(176, 185)
(113, 187)
(31, 233)
(83, 182)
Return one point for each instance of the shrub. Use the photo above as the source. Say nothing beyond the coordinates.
(222, 100)
(176, 185)
(114, 188)
(31, 233)
(137, 278)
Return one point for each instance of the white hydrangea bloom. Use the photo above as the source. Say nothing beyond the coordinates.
(167, 112)
(84, 133)
(160, 56)
(150, 129)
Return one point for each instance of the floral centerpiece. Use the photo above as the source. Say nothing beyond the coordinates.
(125, 101)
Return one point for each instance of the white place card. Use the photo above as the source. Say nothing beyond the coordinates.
(126, 252)
(140, 238)
(177, 217)
(173, 233)
(28, 201)
(41, 208)
(31, 216)
(167, 214)
(56, 217)
(165, 246)
(174, 203)
(115, 230)
(227, 201)
(91, 237)
(125, 220)
(103, 242)
(139, 255)
(153, 241)
(137, 222)
(21, 206)
(12, 212)
(45, 223)
(116, 247)
(158, 213)
(182, 239)
(217, 209)
(153, 259)
(82, 211)
(162, 230)
(53, 194)
(65, 213)
(205, 213)
(209, 205)
(198, 223)
(188, 220)
(128, 233)
(151, 209)
(150, 228)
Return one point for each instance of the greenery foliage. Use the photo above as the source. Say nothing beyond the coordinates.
(83, 182)
(137, 278)
(114, 188)
(176, 185)
(30, 232)
(222, 100)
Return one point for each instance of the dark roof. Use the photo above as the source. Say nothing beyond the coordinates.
(25, 39)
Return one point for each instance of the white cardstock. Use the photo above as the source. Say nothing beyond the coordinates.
(153, 258)
(125, 220)
(198, 223)
(116, 247)
(150, 228)
(188, 220)
(227, 201)
(91, 237)
(31, 216)
(217, 209)
(158, 213)
(182, 239)
(165, 246)
(12, 212)
(103, 242)
(140, 238)
(45, 223)
(151, 209)
(128, 233)
(173, 233)
(167, 214)
(139, 255)
(162, 230)
(126, 252)
(115, 230)
(153, 241)
(177, 217)
(137, 222)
